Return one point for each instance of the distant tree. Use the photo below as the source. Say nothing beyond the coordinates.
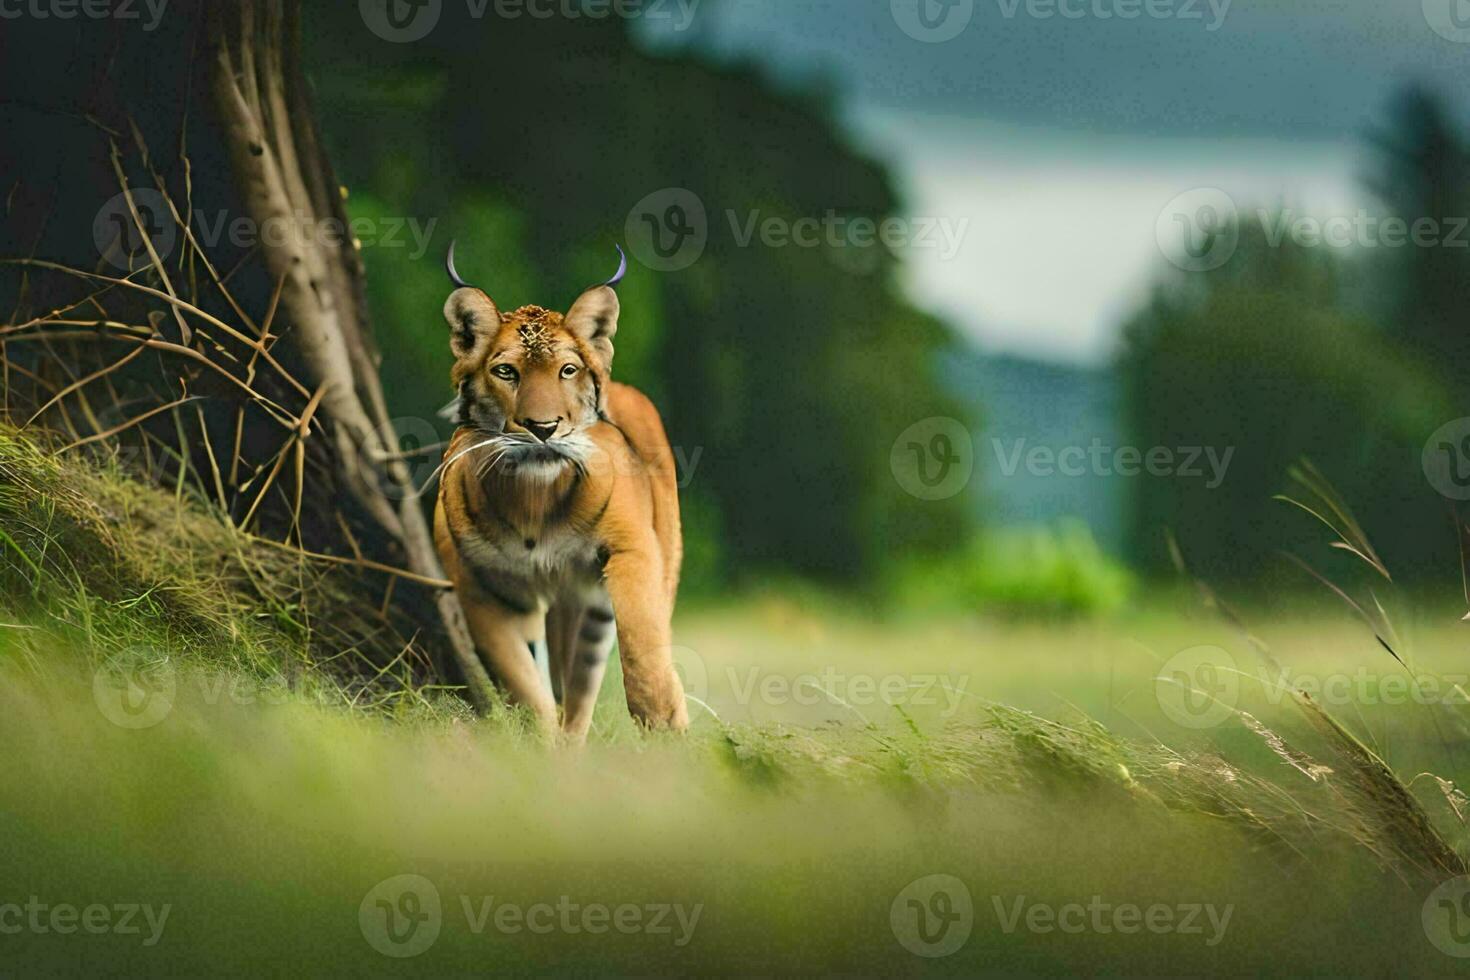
(1260, 359)
(1421, 173)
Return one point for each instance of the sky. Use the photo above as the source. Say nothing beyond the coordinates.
(1055, 148)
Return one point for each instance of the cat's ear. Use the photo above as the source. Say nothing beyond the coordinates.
(473, 321)
(472, 315)
(593, 318)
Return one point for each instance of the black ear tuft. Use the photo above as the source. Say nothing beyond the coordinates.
(473, 321)
(465, 336)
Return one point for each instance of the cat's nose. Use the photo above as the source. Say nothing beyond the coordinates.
(541, 430)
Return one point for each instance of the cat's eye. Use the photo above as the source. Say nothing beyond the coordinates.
(504, 372)
(569, 371)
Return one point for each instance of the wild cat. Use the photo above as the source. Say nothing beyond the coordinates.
(558, 509)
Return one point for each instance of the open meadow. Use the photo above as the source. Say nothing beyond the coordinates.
(1082, 812)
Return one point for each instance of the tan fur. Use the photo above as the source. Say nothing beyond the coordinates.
(569, 518)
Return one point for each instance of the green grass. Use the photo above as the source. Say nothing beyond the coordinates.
(265, 794)
(263, 818)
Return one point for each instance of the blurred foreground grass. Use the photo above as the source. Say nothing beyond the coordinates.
(1136, 794)
(265, 822)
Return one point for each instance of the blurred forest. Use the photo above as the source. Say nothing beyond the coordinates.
(784, 375)
(1348, 358)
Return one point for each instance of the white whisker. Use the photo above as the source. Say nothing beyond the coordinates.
(439, 470)
(572, 449)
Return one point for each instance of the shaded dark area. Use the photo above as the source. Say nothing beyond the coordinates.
(1291, 351)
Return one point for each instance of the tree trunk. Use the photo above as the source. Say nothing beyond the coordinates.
(286, 181)
(116, 297)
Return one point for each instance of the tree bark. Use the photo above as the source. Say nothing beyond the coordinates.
(286, 181)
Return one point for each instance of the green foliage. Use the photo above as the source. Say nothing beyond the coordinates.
(96, 562)
(786, 372)
(1262, 359)
(1421, 173)
(1023, 570)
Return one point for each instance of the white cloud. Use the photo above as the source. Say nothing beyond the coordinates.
(1061, 241)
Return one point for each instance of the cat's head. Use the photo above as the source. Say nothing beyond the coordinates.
(532, 375)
